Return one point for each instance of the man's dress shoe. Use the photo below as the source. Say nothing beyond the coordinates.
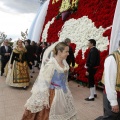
(89, 99)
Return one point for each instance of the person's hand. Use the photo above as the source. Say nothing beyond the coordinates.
(115, 109)
(86, 73)
(6, 54)
(72, 69)
(85, 66)
(31, 63)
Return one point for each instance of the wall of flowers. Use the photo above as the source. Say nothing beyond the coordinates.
(80, 21)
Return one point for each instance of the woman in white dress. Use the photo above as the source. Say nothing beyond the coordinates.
(18, 71)
(51, 98)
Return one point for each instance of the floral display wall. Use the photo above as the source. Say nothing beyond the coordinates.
(92, 19)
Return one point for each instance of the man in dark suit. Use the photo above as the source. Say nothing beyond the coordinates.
(30, 55)
(93, 61)
(70, 58)
(5, 52)
(38, 53)
(44, 47)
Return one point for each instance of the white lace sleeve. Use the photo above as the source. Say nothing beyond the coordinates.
(40, 91)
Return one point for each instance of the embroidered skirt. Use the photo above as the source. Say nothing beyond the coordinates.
(18, 76)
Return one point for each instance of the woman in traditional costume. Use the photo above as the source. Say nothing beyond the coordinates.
(51, 98)
(18, 71)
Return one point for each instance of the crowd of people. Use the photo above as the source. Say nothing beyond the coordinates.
(18, 61)
(51, 89)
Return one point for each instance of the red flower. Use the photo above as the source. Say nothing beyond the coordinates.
(107, 33)
(101, 12)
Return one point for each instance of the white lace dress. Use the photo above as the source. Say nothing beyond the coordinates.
(62, 107)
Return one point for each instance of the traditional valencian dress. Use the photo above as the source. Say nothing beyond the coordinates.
(51, 88)
(18, 76)
(111, 79)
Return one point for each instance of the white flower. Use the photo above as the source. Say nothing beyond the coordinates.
(45, 31)
(80, 31)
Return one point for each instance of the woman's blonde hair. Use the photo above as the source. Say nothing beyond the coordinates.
(59, 47)
(18, 41)
(15, 44)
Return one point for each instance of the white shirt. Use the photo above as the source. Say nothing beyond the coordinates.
(6, 48)
(110, 72)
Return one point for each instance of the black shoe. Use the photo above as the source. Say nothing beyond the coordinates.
(25, 87)
(99, 118)
(89, 99)
(95, 95)
(36, 65)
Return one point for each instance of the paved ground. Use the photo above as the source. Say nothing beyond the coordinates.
(12, 101)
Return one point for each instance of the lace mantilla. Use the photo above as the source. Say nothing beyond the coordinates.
(58, 68)
(68, 112)
(37, 102)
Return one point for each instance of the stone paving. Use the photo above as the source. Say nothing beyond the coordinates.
(12, 101)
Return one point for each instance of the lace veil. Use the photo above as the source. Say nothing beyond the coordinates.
(15, 46)
(40, 84)
(48, 54)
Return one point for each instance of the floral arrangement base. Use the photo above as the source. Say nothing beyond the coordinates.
(93, 19)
